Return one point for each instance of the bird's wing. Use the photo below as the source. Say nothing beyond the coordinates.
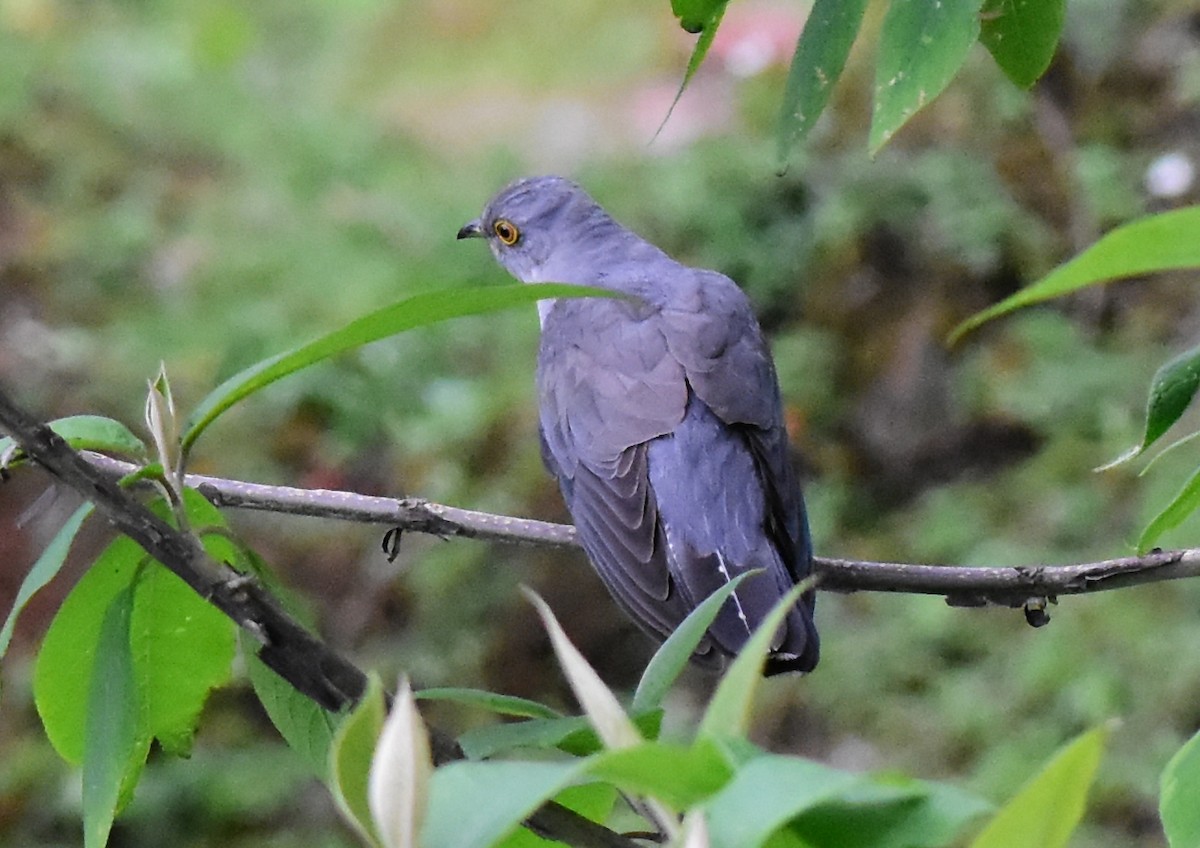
(618, 525)
(607, 386)
(711, 330)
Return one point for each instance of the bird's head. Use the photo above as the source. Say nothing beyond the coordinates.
(541, 228)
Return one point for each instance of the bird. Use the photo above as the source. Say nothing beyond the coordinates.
(661, 418)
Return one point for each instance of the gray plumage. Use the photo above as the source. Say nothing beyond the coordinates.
(660, 417)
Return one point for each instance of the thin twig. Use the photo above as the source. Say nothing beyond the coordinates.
(414, 514)
(1013, 586)
(297, 656)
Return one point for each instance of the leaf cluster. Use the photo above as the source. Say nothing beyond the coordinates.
(922, 45)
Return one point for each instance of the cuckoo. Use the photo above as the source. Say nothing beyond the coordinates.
(660, 417)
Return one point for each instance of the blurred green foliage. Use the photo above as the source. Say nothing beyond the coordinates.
(208, 183)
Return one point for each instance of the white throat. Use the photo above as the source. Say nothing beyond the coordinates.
(543, 306)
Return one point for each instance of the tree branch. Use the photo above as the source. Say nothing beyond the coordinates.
(1014, 586)
(415, 514)
(297, 656)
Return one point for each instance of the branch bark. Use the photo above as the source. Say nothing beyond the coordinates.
(1013, 586)
(304, 661)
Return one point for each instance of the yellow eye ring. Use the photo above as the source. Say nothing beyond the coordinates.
(506, 231)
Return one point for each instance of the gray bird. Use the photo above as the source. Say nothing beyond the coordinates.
(660, 417)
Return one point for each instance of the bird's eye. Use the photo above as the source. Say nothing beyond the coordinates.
(506, 231)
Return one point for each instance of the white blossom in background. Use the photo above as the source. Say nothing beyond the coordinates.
(1170, 175)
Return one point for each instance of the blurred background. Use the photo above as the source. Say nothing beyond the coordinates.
(205, 183)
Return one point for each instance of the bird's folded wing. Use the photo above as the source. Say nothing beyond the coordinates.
(607, 386)
(619, 528)
(710, 329)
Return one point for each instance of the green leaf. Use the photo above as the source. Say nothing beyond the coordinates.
(738, 750)
(921, 47)
(1022, 36)
(817, 65)
(43, 571)
(85, 432)
(1185, 502)
(1177, 802)
(501, 704)
(474, 805)
(599, 703)
(1049, 807)
(678, 775)
(1157, 458)
(114, 748)
(572, 734)
(307, 729)
(1171, 392)
(182, 647)
(767, 793)
(695, 15)
(350, 758)
(585, 741)
(707, 27)
(593, 801)
(1161, 242)
(62, 676)
(729, 710)
(416, 311)
(890, 812)
(479, 743)
(672, 656)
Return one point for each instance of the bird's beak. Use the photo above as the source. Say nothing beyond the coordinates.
(472, 229)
